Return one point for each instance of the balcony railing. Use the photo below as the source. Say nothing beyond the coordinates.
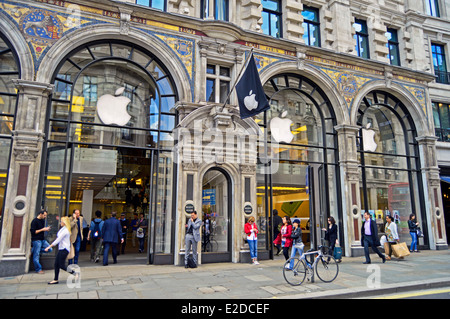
(442, 77)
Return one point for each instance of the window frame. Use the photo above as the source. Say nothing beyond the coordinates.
(205, 9)
(278, 14)
(440, 70)
(361, 35)
(217, 79)
(150, 5)
(308, 24)
(394, 43)
(432, 8)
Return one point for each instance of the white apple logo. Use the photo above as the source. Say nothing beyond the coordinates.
(369, 139)
(280, 128)
(113, 109)
(250, 101)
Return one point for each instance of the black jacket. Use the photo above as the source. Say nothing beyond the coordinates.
(296, 235)
(331, 234)
(373, 231)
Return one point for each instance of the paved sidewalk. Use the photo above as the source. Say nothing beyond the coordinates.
(428, 269)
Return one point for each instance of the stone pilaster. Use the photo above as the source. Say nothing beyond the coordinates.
(23, 175)
(350, 181)
(432, 191)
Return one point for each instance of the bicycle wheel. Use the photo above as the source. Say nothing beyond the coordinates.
(297, 274)
(327, 268)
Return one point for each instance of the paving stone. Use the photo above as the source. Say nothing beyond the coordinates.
(104, 283)
(272, 290)
(206, 290)
(219, 288)
(70, 295)
(88, 294)
(119, 282)
(258, 278)
(53, 296)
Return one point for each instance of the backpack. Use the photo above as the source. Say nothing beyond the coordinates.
(97, 231)
(191, 263)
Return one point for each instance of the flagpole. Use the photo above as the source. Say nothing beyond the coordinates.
(237, 79)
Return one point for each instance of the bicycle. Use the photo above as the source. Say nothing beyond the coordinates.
(325, 267)
(209, 244)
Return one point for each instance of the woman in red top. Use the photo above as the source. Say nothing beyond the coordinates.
(251, 230)
(286, 240)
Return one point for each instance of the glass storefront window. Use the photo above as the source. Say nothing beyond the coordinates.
(308, 143)
(388, 156)
(9, 70)
(110, 139)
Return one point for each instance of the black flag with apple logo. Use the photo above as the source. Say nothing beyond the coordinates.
(251, 97)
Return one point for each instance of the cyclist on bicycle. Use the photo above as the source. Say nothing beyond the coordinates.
(297, 244)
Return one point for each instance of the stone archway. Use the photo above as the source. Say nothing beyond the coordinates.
(212, 136)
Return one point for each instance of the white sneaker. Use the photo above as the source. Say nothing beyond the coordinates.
(255, 262)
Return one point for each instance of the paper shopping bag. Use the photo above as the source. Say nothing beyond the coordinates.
(400, 250)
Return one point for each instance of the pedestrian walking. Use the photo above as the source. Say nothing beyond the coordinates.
(142, 226)
(277, 224)
(64, 243)
(95, 236)
(111, 233)
(76, 236)
(297, 242)
(369, 238)
(331, 235)
(286, 239)
(413, 224)
(38, 242)
(124, 228)
(392, 237)
(133, 226)
(251, 230)
(191, 239)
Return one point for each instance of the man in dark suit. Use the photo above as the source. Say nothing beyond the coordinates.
(111, 233)
(369, 237)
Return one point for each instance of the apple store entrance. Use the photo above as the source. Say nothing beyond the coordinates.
(109, 144)
(302, 177)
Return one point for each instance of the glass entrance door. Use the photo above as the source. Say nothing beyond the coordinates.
(216, 214)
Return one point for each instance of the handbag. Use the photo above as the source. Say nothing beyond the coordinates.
(337, 253)
(419, 232)
(140, 232)
(400, 250)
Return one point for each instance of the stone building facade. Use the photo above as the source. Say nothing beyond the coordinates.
(355, 79)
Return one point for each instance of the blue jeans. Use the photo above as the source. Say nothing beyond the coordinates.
(253, 245)
(414, 241)
(293, 253)
(76, 246)
(36, 250)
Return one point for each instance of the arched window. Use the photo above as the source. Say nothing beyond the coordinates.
(109, 136)
(389, 161)
(302, 144)
(9, 70)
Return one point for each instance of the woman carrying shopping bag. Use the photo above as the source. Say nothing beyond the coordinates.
(392, 237)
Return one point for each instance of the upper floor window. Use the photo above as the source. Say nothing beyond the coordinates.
(220, 12)
(440, 64)
(362, 38)
(218, 80)
(394, 52)
(433, 8)
(156, 4)
(311, 25)
(272, 17)
(441, 116)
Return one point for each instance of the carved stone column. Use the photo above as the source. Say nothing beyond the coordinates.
(23, 176)
(351, 198)
(434, 208)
